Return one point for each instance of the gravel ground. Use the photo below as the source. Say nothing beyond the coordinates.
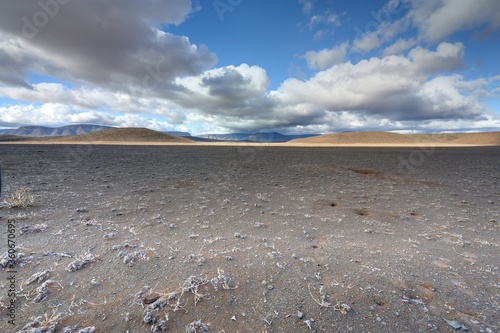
(251, 239)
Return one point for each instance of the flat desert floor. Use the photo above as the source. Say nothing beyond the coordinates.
(251, 239)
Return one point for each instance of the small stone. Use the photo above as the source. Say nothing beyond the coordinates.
(233, 318)
(270, 287)
(345, 307)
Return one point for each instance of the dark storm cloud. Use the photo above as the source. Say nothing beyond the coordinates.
(110, 43)
(228, 91)
(230, 84)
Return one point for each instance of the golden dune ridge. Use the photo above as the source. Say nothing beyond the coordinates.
(387, 138)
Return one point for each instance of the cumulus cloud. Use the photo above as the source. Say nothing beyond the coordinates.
(237, 98)
(52, 114)
(366, 43)
(326, 57)
(447, 57)
(99, 42)
(91, 98)
(397, 87)
(229, 90)
(437, 19)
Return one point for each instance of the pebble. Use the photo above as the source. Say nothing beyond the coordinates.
(270, 287)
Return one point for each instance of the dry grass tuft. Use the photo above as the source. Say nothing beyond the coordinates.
(197, 327)
(22, 198)
(40, 324)
(80, 262)
(157, 305)
(324, 303)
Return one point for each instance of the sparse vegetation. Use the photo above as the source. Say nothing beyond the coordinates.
(157, 305)
(22, 198)
(80, 262)
(42, 324)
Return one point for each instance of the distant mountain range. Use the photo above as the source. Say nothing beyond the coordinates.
(255, 137)
(50, 131)
(42, 131)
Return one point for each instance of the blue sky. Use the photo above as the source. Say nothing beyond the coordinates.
(292, 66)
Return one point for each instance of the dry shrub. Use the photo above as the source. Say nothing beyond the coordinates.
(21, 199)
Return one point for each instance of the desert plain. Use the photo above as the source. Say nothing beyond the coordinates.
(251, 238)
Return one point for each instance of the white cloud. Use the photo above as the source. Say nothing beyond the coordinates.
(328, 18)
(326, 57)
(434, 20)
(437, 19)
(51, 114)
(322, 24)
(90, 98)
(395, 86)
(445, 99)
(447, 57)
(366, 43)
(378, 32)
(402, 44)
(307, 6)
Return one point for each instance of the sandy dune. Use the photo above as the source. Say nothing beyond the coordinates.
(386, 138)
(115, 136)
(122, 135)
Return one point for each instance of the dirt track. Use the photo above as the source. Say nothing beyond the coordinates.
(400, 237)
